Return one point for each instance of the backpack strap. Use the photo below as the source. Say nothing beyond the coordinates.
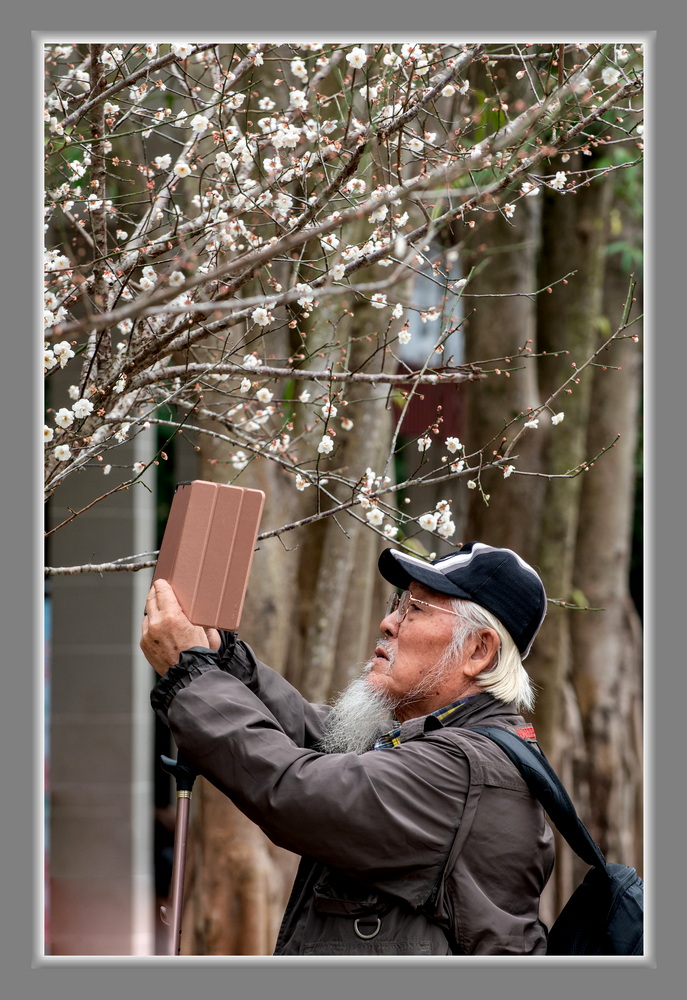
(545, 785)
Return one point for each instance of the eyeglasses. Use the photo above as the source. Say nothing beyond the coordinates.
(400, 604)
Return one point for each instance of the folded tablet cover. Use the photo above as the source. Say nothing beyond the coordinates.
(207, 550)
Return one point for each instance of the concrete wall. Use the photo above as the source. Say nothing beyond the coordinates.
(100, 895)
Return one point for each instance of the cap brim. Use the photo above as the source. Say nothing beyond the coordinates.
(401, 569)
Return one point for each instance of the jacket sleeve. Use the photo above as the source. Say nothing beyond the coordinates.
(384, 817)
(301, 720)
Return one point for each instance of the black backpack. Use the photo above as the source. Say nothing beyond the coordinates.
(605, 914)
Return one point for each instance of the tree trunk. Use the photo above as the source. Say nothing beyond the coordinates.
(497, 328)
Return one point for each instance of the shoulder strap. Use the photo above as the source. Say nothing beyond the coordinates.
(546, 786)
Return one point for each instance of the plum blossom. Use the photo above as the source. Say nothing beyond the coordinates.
(298, 99)
(64, 417)
(200, 124)
(82, 408)
(558, 183)
(63, 352)
(557, 417)
(378, 300)
(239, 460)
(533, 423)
(326, 446)
(428, 521)
(264, 395)
(453, 444)
(62, 452)
(182, 168)
(404, 335)
(356, 57)
(390, 530)
(509, 211)
(250, 361)
(163, 162)
(182, 49)
(508, 470)
(138, 467)
(261, 316)
(424, 443)
(374, 516)
(48, 434)
(610, 75)
(301, 483)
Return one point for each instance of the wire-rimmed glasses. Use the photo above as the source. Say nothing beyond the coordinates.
(400, 604)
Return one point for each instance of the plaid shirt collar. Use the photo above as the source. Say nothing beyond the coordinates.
(393, 738)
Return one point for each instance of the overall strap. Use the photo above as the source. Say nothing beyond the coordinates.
(546, 786)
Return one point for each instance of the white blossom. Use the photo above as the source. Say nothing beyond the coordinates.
(182, 168)
(428, 521)
(62, 452)
(404, 335)
(509, 211)
(298, 99)
(107, 469)
(390, 530)
(199, 124)
(301, 483)
(356, 57)
(378, 300)
(261, 316)
(163, 162)
(82, 408)
(64, 417)
(250, 361)
(223, 160)
(245, 385)
(182, 49)
(48, 434)
(176, 278)
(304, 396)
(375, 516)
(472, 484)
(264, 395)
(610, 75)
(556, 418)
(533, 423)
(325, 446)
(63, 352)
(424, 443)
(446, 528)
(453, 444)
(529, 189)
(558, 183)
(138, 467)
(239, 460)
(508, 471)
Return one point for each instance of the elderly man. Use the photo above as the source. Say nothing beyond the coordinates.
(417, 835)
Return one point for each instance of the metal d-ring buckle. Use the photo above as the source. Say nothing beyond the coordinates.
(367, 937)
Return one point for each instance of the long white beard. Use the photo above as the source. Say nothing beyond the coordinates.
(359, 715)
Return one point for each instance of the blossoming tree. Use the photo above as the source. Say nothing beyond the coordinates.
(240, 239)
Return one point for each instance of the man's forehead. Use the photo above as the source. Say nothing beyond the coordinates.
(427, 594)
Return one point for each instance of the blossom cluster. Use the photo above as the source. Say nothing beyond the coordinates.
(235, 206)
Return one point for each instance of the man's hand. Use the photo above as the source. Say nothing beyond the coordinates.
(166, 631)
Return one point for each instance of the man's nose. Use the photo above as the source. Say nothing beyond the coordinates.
(389, 624)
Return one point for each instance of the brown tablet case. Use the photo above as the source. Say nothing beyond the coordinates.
(207, 550)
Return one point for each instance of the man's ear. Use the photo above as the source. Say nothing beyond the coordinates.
(482, 651)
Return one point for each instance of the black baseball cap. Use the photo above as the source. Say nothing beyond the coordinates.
(497, 579)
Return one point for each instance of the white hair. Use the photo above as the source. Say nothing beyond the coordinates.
(506, 678)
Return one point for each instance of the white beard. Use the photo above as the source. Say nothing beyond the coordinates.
(359, 715)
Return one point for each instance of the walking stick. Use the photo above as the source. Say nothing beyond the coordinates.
(184, 776)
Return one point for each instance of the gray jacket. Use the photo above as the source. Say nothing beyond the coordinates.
(434, 847)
